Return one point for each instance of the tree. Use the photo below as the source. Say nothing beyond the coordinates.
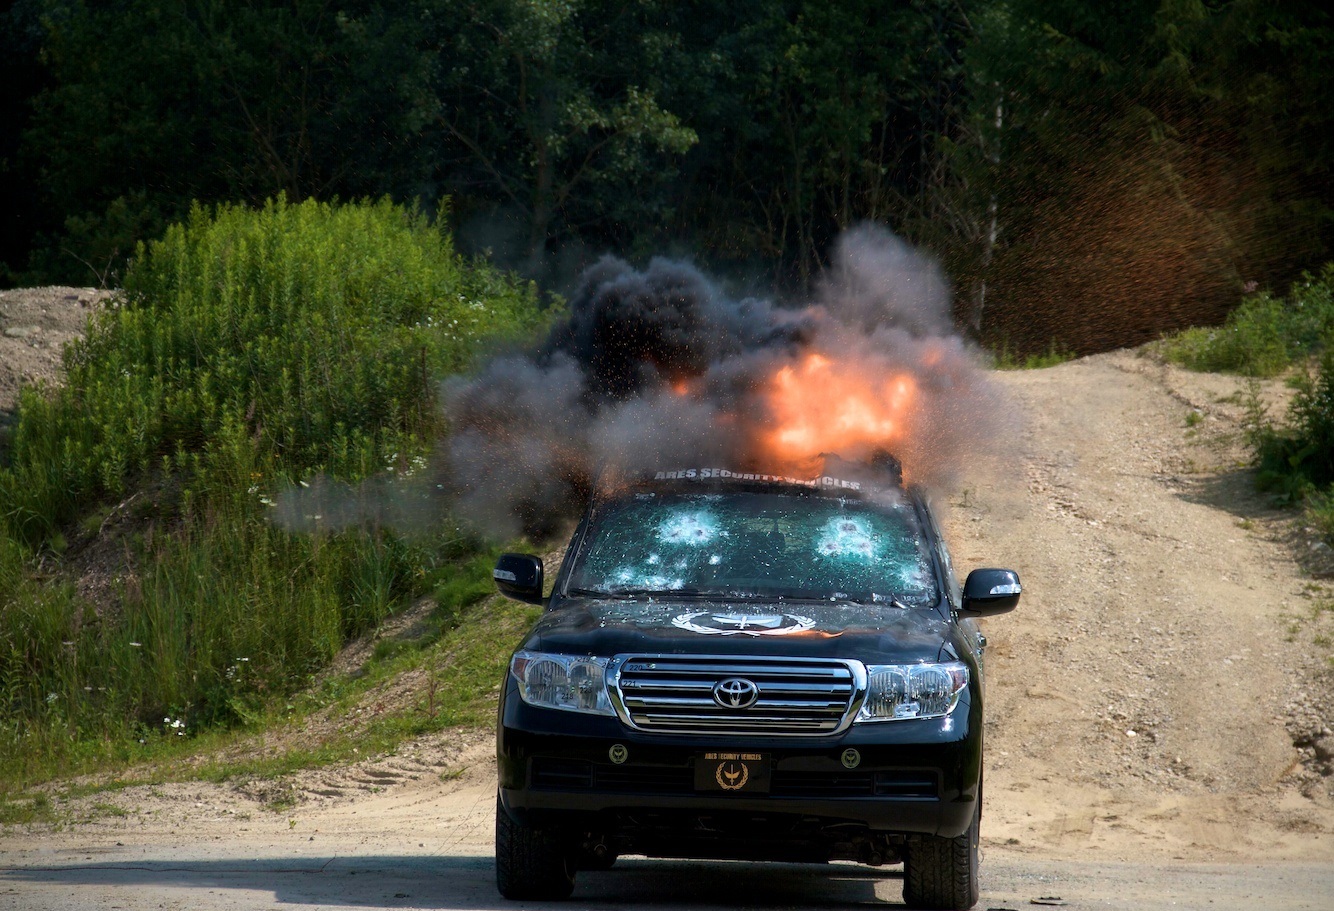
(552, 105)
(1116, 178)
(155, 103)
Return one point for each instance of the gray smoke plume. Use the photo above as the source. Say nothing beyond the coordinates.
(659, 369)
(877, 281)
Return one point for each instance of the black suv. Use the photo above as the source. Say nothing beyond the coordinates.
(745, 666)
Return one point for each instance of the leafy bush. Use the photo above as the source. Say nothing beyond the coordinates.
(1264, 335)
(1297, 460)
(317, 330)
(251, 347)
(1299, 457)
(1320, 510)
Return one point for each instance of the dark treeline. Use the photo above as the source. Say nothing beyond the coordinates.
(1091, 173)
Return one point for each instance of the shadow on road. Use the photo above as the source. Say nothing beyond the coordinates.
(459, 883)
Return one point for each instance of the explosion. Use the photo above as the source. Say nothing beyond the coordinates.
(658, 367)
(821, 405)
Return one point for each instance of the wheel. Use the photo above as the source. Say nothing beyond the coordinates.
(531, 864)
(941, 873)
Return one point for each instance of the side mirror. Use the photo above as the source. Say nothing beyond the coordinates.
(988, 592)
(519, 576)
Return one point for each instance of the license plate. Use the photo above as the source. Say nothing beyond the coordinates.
(738, 773)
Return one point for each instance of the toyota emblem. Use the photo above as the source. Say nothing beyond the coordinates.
(736, 693)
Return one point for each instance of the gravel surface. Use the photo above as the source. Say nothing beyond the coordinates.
(35, 324)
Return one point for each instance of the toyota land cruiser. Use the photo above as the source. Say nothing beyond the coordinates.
(748, 666)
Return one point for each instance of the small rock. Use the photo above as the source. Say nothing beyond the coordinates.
(21, 331)
(1324, 749)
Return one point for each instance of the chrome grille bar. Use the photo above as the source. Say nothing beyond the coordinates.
(797, 696)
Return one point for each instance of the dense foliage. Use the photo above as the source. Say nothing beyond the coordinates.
(1296, 458)
(251, 349)
(1092, 174)
(1265, 336)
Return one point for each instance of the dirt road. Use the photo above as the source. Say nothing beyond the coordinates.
(1145, 699)
(426, 843)
(1158, 734)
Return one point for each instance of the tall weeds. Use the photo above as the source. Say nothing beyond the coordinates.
(249, 349)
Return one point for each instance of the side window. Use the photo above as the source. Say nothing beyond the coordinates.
(953, 593)
(952, 590)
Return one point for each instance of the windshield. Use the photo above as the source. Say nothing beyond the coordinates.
(761, 545)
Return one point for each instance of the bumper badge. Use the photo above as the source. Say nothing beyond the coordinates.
(732, 776)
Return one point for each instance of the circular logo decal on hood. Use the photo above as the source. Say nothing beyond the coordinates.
(711, 623)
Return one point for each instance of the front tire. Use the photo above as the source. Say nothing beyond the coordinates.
(531, 864)
(941, 873)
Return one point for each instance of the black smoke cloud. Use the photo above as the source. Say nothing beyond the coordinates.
(631, 331)
(528, 434)
(659, 368)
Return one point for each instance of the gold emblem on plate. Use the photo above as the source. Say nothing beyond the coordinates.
(732, 776)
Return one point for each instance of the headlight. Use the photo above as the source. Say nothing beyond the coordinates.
(897, 691)
(571, 682)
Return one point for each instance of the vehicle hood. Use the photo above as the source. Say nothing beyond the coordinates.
(868, 633)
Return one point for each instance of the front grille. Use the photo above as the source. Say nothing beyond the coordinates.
(908, 785)
(822, 784)
(562, 774)
(550, 774)
(811, 696)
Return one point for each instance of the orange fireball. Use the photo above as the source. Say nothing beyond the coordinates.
(823, 405)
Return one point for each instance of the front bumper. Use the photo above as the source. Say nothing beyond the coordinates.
(913, 777)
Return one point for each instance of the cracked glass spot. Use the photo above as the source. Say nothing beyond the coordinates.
(695, 528)
(847, 538)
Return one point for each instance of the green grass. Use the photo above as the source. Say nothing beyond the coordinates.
(168, 671)
(1056, 354)
(252, 349)
(1295, 458)
(468, 663)
(25, 810)
(1264, 335)
(1320, 513)
(463, 650)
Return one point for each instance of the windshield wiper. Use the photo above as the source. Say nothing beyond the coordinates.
(589, 593)
(870, 598)
(667, 593)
